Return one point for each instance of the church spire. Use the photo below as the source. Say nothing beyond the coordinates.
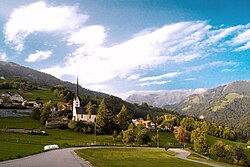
(77, 86)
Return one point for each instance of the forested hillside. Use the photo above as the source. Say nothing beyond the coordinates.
(228, 105)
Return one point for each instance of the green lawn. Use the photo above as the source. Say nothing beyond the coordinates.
(19, 122)
(195, 156)
(20, 145)
(136, 157)
(213, 139)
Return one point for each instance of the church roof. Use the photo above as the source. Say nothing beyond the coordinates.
(83, 110)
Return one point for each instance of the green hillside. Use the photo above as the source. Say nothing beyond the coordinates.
(12, 70)
(228, 105)
(40, 95)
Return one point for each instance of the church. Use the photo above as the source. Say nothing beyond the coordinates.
(80, 113)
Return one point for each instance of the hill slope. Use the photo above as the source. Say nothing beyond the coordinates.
(12, 70)
(228, 104)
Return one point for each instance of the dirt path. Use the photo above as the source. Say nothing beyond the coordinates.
(183, 154)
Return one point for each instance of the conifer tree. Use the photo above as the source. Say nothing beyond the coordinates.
(123, 118)
(102, 123)
(89, 108)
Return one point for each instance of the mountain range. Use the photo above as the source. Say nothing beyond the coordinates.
(13, 70)
(227, 104)
(162, 98)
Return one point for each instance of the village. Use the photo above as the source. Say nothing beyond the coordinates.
(16, 100)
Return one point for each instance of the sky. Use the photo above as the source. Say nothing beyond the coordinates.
(126, 46)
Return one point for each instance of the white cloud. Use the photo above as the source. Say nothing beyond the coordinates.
(242, 39)
(97, 87)
(39, 55)
(154, 83)
(40, 17)
(227, 70)
(176, 43)
(141, 52)
(217, 35)
(133, 77)
(90, 36)
(190, 79)
(167, 75)
(211, 64)
(3, 56)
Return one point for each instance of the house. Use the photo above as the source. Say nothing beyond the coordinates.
(80, 113)
(5, 95)
(17, 97)
(64, 106)
(30, 104)
(146, 124)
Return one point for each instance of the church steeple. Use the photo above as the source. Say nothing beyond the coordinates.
(77, 86)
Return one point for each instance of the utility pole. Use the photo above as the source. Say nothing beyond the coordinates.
(95, 131)
(157, 138)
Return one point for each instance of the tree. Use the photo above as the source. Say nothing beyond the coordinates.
(196, 133)
(181, 135)
(188, 122)
(200, 144)
(148, 117)
(102, 122)
(218, 149)
(45, 112)
(89, 108)
(229, 134)
(142, 136)
(238, 155)
(169, 121)
(128, 136)
(36, 113)
(123, 118)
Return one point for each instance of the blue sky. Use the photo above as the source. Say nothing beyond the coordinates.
(121, 47)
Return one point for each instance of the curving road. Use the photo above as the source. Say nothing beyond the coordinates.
(55, 158)
(67, 157)
(183, 154)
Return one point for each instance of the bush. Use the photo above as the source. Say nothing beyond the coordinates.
(142, 137)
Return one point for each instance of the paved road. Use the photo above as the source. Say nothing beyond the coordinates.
(55, 158)
(183, 154)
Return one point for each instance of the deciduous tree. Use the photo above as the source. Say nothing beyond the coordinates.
(181, 135)
(218, 149)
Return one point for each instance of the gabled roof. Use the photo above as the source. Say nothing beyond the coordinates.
(82, 110)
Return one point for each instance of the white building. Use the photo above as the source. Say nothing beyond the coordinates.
(80, 113)
(17, 98)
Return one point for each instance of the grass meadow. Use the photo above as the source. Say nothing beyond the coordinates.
(15, 145)
(136, 157)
